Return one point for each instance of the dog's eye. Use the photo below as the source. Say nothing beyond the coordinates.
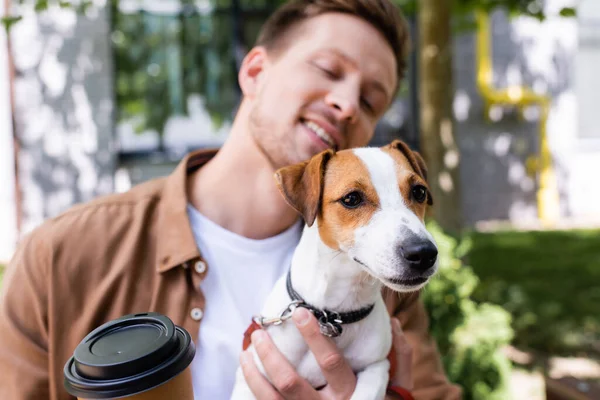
(352, 200)
(419, 193)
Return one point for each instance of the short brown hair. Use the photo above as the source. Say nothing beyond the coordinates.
(382, 14)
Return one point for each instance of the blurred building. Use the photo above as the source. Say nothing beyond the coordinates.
(115, 96)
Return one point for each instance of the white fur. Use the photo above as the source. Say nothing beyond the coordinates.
(334, 280)
(376, 243)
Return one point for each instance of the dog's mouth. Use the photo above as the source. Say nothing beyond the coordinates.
(363, 264)
(406, 282)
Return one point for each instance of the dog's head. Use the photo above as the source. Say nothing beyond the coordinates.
(369, 203)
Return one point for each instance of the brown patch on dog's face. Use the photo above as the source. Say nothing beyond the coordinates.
(411, 172)
(346, 179)
(325, 187)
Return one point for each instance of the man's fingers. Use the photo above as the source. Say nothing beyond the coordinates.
(336, 370)
(403, 376)
(280, 372)
(258, 384)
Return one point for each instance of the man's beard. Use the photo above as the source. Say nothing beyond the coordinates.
(273, 147)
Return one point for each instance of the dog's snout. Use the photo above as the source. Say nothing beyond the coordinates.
(420, 255)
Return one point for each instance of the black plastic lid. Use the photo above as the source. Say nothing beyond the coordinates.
(127, 356)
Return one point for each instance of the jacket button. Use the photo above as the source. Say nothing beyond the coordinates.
(196, 314)
(200, 267)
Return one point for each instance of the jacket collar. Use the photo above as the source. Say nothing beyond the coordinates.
(175, 241)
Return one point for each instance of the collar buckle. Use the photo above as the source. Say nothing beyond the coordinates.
(330, 328)
(330, 322)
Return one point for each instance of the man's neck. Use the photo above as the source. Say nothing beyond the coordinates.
(237, 191)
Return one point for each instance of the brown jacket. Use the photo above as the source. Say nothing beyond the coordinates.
(121, 254)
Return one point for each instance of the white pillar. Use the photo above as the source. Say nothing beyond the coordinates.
(63, 101)
(585, 162)
(587, 60)
(8, 210)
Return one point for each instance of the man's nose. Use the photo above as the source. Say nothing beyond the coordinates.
(420, 254)
(345, 105)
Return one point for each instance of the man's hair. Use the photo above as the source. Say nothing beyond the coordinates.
(383, 15)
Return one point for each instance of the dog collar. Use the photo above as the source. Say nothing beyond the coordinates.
(330, 322)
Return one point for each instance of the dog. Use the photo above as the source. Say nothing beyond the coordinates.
(364, 213)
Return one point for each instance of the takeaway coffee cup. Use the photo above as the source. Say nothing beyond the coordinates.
(138, 356)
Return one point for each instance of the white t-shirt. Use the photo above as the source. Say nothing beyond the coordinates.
(241, 273)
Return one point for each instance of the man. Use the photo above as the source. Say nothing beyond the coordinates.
(205, 245)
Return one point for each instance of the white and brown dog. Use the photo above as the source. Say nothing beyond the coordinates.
(364, 210)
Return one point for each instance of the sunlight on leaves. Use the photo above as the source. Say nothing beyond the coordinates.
(41, 5)
(9, 21)
(568, 12)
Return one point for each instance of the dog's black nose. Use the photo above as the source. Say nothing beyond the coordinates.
(420, 254)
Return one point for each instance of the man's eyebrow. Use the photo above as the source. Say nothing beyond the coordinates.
(374, 83)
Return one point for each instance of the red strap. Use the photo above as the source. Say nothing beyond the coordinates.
(247, 340)
(403, 393)
(391, 389)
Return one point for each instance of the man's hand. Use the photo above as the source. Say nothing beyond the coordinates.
(403, 376)
(287, 384)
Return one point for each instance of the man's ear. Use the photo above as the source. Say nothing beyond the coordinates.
(302, 185)
(251, 71)
(415, 160)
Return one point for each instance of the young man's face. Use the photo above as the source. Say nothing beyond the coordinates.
(327, 88)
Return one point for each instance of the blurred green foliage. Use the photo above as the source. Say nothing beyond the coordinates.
(163, 59)
(160, 60)
(469, 335)
(463, 10)
(536, 290)
(548, 282)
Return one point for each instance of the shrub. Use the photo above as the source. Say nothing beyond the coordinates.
(470, 336)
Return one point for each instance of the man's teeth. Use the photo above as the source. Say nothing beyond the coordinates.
(320, 133)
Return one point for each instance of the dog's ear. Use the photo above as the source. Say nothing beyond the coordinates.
(302, 185)
(423, 167)
(415, 160)
(421, 163)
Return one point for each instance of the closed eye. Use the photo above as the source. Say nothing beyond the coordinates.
(328, 72)
(367, 105)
